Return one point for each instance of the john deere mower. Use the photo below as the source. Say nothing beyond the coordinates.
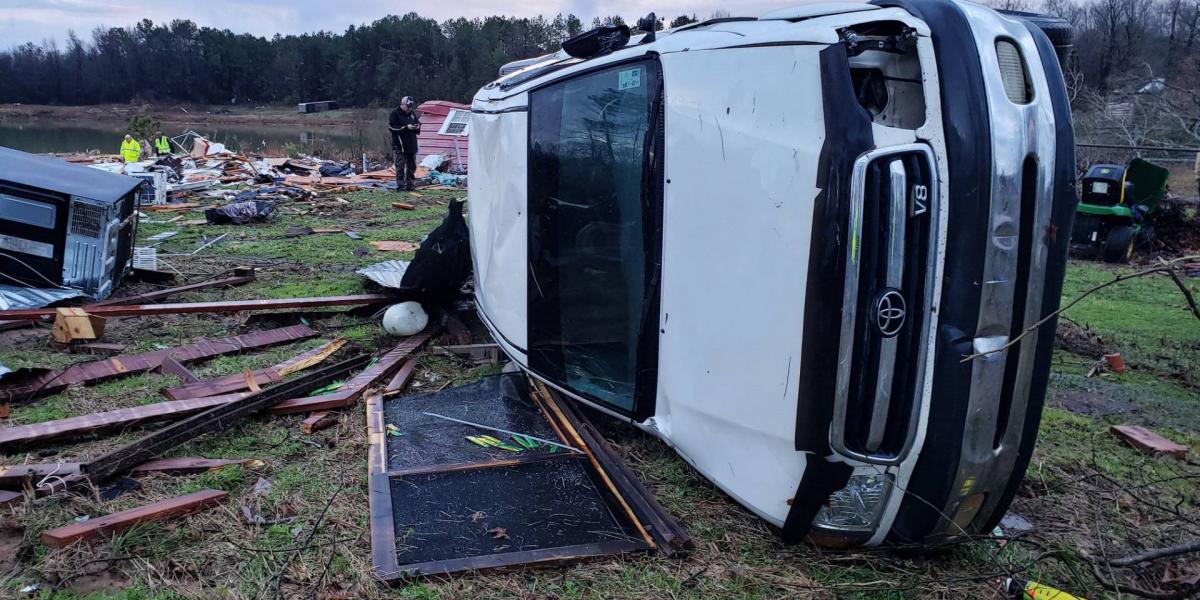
(1113, 206)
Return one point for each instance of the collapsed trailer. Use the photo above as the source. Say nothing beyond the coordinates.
(773, 243)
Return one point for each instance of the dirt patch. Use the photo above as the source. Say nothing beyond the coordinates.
(94, 583)
(11, 537)
(1094, 405)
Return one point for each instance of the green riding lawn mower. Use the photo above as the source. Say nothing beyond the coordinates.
(1114, 203)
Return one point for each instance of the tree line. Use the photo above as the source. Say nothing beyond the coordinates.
(1121, 44)
(367, 65)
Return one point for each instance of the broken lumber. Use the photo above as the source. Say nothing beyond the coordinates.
(120, 521)
(141, 310)
(17, 477)
(94, 372)
(226, 384)
(403, 206)
(403, 377)
(7, 497)
(170, 366)
(318, 421)
(237, 382)
(394, 245)
(218, 418)
(350, 392)
(241, 276)
(24, 435)
(1144, 439)
(189, 465)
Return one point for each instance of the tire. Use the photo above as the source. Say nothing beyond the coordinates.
(1145, 238)
(1118, 246)
(1059, 31)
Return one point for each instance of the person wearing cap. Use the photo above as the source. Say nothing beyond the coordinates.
(405, 125)
(131, 150)
(162, 144)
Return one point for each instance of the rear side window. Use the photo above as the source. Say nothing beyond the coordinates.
(591, 252)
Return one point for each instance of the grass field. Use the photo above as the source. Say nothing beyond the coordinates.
(1085, 493)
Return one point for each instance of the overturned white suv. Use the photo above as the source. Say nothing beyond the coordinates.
(774, 242)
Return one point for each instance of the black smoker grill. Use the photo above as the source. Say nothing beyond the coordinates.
(64, 224)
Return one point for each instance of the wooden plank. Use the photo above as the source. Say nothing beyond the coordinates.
(16, 477)
(579, 442)
(318, 421)
(1144, 439)
(24, 435)
(225, 384)
(96, 371)
(309, 359)
(228, 306)
(121, 521)
(214, 419)
(403, 377)
(670, 537)
(170, 366)
(241, 277)
(237, 382)
(352, 390)
(189, 465)
(7, 497)
(543, 556)
(381, 526)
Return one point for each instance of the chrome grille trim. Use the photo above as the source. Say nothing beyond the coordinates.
(889, 347)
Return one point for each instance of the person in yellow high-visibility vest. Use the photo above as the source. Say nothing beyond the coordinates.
(131, 150)
(162, 144)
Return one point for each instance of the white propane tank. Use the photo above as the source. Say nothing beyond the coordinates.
(406, 318)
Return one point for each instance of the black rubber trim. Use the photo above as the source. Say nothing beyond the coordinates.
(848, 135)
(1061, 224)
(821, 479)
(770, 45)
(968, 134)
(511, 109)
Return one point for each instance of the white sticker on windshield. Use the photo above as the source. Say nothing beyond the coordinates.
(629, 79)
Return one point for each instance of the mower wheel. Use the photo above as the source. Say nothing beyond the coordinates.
(1118, 246)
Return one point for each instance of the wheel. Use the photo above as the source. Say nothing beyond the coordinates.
(1059, 31)
(1145, 238)
(1118, 246)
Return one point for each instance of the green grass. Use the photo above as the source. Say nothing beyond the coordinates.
(1146, 319)
(739, 556)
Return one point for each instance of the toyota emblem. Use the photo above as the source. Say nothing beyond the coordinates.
(890, 311)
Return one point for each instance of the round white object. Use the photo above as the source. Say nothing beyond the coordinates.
(406, 318)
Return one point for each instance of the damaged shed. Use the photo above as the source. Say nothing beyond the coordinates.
(445, 130)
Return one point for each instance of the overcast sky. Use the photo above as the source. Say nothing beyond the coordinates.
(36, 20)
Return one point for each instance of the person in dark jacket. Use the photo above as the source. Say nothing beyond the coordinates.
(405, 125)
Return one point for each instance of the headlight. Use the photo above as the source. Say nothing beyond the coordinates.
(856, 507)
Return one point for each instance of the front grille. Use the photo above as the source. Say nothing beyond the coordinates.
(886, 304)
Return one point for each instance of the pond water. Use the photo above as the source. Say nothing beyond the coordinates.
(343, 142)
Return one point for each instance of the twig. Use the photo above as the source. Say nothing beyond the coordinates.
(307, 540)
(1165, 267)
(1149, 555)
(1187, 293)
